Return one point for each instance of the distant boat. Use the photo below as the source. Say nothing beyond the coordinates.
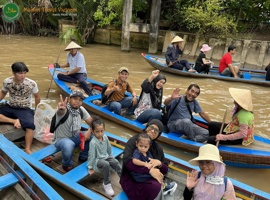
(251, 76)
(20, 181)
(256, 155)
(78, 182)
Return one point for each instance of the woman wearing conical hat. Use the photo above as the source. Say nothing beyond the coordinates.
(173, 51)
(240, 129)
(77, 70)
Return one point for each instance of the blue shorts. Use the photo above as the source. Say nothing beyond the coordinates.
(25, 115)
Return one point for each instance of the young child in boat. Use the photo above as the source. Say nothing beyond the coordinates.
(100, 157)
(141, 157)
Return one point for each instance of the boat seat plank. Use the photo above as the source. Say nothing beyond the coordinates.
(9, 180)
(45, 152)
(246, 75)
(81, 171)
(121, 196)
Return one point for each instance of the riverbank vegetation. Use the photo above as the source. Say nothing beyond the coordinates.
(221, 18)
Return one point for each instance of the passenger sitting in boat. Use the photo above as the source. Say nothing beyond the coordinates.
(210, 182)
(150, 189)
(181, 119)
(226, 68)
(240, 129)
(67, 134)
(203, 65)
(173, 51)
(18, 111)
(141, 157)
(116, 92)
(267, 69)
(77, 72)
(151, 98)
(100, 157)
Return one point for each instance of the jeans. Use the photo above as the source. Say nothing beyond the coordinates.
(148, 115)
(116, 106)
(73, 78)
(191, 130)
(67, 146)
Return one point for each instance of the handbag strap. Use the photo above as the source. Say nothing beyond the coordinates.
(189, 110)
(170, 113)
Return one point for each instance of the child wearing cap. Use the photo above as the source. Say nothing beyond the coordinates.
(116, 92)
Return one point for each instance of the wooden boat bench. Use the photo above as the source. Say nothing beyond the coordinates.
(9, 180)
(81, 171)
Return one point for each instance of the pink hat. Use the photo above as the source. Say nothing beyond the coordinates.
(205, 47)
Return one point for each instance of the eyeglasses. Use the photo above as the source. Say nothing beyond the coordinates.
(156, 130)
(205, 162)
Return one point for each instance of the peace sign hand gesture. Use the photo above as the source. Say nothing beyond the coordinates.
(62, 104)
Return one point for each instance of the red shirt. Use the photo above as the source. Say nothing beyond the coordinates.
(225, 60)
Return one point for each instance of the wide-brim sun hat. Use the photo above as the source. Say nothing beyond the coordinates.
(72, 45)
(123, 69)
(205, 47)
(242, 97)
(207, 152)
(177, 39)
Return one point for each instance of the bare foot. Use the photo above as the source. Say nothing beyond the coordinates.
(28, 151)
(17, 123)
(192, 71)
(97, 102)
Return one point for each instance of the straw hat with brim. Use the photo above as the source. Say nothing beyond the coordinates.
(205, 47)
(72, 45)
(207, 152)
(177, 39)
(123, 69)
(242, 97)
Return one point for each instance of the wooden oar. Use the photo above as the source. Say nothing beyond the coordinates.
(53, 73)
(221, 128)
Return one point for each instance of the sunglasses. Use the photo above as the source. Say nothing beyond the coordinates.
(205, 162)
(156, 130)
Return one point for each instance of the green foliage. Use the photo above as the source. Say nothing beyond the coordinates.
(71, 34)
(208, 18)
(110, 12)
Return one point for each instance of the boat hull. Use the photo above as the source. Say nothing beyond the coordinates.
(238, 156)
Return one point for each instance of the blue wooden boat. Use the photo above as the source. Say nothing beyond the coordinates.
(256, 155)
(18, 180)
(251, 76)
(73, 182)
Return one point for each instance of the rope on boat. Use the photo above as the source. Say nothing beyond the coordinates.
(24, 184)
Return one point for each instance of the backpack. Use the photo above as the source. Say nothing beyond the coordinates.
(53, 127)
(105, 98)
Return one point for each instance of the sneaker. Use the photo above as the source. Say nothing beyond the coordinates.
(170, 188)
(67, 168)
(108, 189)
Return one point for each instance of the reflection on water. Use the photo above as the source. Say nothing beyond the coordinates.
(103, 63)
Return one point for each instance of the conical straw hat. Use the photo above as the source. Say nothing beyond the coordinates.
(242, 97)
(72, 45)
(177, 39)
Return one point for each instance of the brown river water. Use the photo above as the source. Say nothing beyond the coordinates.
(103, 61)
